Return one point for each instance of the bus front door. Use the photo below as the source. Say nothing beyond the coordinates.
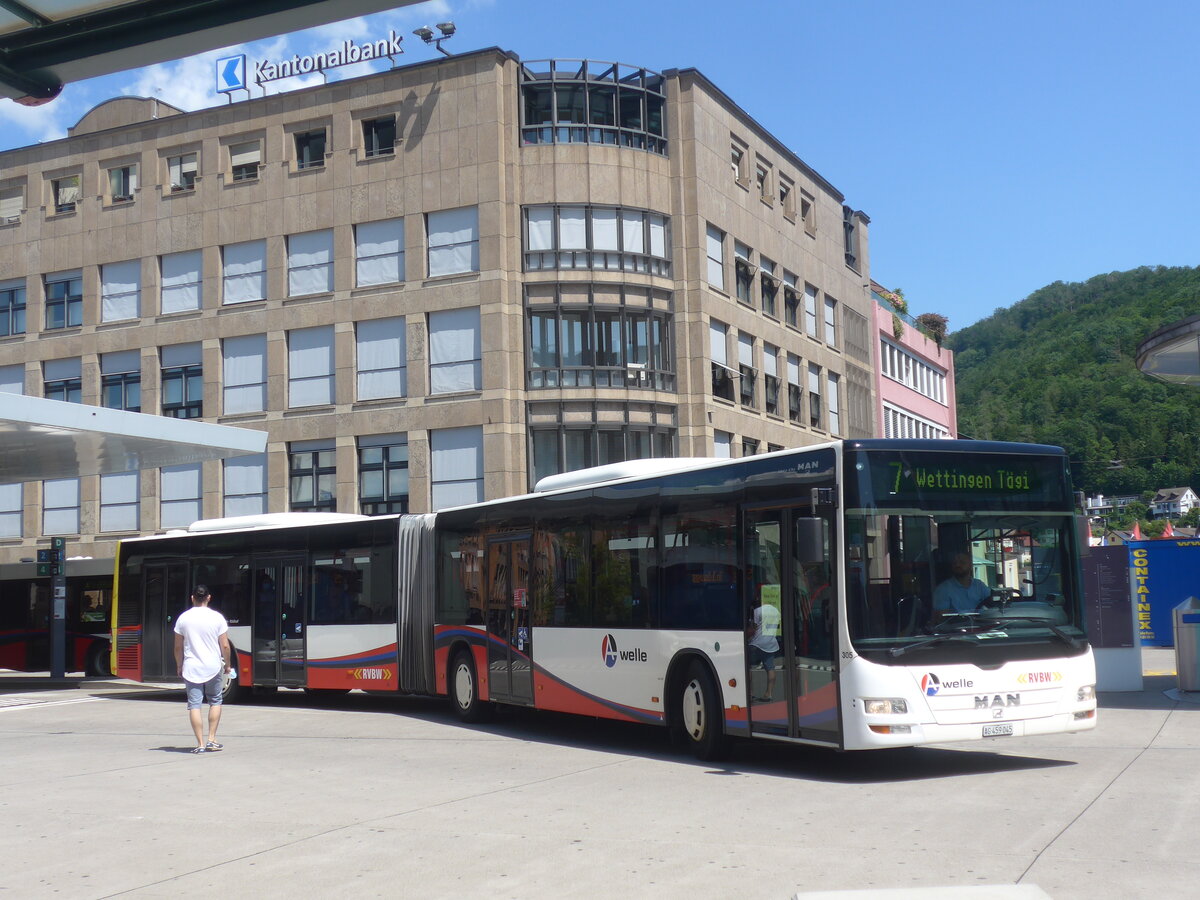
(789, 633)
(279, 593)
(510, 637)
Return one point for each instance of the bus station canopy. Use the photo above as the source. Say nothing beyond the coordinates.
(46, 43)
(45, 439)
(1172, 354)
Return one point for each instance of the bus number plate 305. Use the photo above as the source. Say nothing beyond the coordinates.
(997, 730)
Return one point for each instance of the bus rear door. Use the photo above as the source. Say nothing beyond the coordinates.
(510, 637)
(790, 597)
(167, 594)
(280, 592)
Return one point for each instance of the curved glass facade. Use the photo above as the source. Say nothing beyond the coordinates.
(583, 101)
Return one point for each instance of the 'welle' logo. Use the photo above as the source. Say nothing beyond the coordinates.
(610, 653)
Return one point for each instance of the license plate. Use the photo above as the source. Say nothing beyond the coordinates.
(997, 730)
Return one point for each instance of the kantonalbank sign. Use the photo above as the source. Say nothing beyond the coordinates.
(232, 70)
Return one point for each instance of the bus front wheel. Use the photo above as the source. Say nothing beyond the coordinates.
(464, 689)
(698, 715)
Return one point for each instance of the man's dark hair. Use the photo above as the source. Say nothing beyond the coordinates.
(200, 592)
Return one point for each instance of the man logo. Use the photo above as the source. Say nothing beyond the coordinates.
(930, 685)
(608, 650)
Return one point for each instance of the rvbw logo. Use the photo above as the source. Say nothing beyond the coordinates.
(610, 654)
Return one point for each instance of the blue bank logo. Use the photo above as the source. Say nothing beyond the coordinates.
(231, 74)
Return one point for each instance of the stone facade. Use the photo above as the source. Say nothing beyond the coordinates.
(268, 220)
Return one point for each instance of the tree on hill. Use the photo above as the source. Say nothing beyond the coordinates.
(1058, 368)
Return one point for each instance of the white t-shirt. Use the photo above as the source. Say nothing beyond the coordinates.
(766, 629)
(201, 628)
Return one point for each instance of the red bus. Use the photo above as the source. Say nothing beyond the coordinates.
(25, 609)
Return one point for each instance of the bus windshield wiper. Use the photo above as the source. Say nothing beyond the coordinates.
(1070, 640)
(930, 641)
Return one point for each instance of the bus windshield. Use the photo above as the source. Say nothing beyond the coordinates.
(950, 565)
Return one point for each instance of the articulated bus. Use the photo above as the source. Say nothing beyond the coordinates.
(796, 596)
(25, 608)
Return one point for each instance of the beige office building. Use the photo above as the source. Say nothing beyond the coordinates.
(430, 286)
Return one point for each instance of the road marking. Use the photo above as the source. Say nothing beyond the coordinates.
(8, 704)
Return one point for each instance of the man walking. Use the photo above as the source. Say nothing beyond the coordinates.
(202, 658)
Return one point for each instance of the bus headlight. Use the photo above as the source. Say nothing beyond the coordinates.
(1087, 692)
(890, 706)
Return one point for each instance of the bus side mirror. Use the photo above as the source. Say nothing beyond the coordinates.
(1083, 534)
(810, 540)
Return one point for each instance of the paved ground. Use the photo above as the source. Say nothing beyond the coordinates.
(393, 798)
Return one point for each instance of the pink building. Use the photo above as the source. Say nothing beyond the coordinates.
(914, 379)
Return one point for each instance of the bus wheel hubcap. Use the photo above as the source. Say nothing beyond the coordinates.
(463, 689)
(693, 710)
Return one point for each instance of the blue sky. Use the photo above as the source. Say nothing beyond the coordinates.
(996, 148)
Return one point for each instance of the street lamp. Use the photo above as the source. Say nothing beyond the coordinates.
(425, 33)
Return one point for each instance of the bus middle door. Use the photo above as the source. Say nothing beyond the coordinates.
(279, 594)
(510, 637)
(789, 633)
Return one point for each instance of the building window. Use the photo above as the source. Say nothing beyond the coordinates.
(787, 198)
(244, 272)
(120, 291)
(814, 395)
(715, 244)
(454, 351)
(456, 466)
(182, 381)
(121, 380)
(11, 510)
(791, 300)
(310, 263)
(310, 367)
(830, 321)
(63, 380)
(119, 495)
(568, 448)
(795, 391)
(833, 385)
(453, 241)
(581, 341)
(850, 234)
(738, 164)
(808, 212)
(244, 365)
(181, 280)
(65, 193)
(12, 379)
(379, 136)
(768, 286)
(12, 308)
(587, 101)
(810, 311)
(743, 273)
(898, 423)
(312, 476)
(749, 447)
(722, 444)
(310, 149)
(179, 496)
(771, 379)
(60, 506)
(12, 204)
(181, 172)
(244, 160)
(746, 372)
(380, 348)
(596, 237)
(722, 376)
(64, 300)
(245, 488)
(122, 182)
(382, 474)
(379, 252)
(762, 182)
(900, 365)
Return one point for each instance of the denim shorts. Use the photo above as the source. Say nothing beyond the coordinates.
(206, 692)
(759, 655)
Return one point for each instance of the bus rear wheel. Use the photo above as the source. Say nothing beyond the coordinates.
(698, 715)
(464, 689)
(97, 661)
